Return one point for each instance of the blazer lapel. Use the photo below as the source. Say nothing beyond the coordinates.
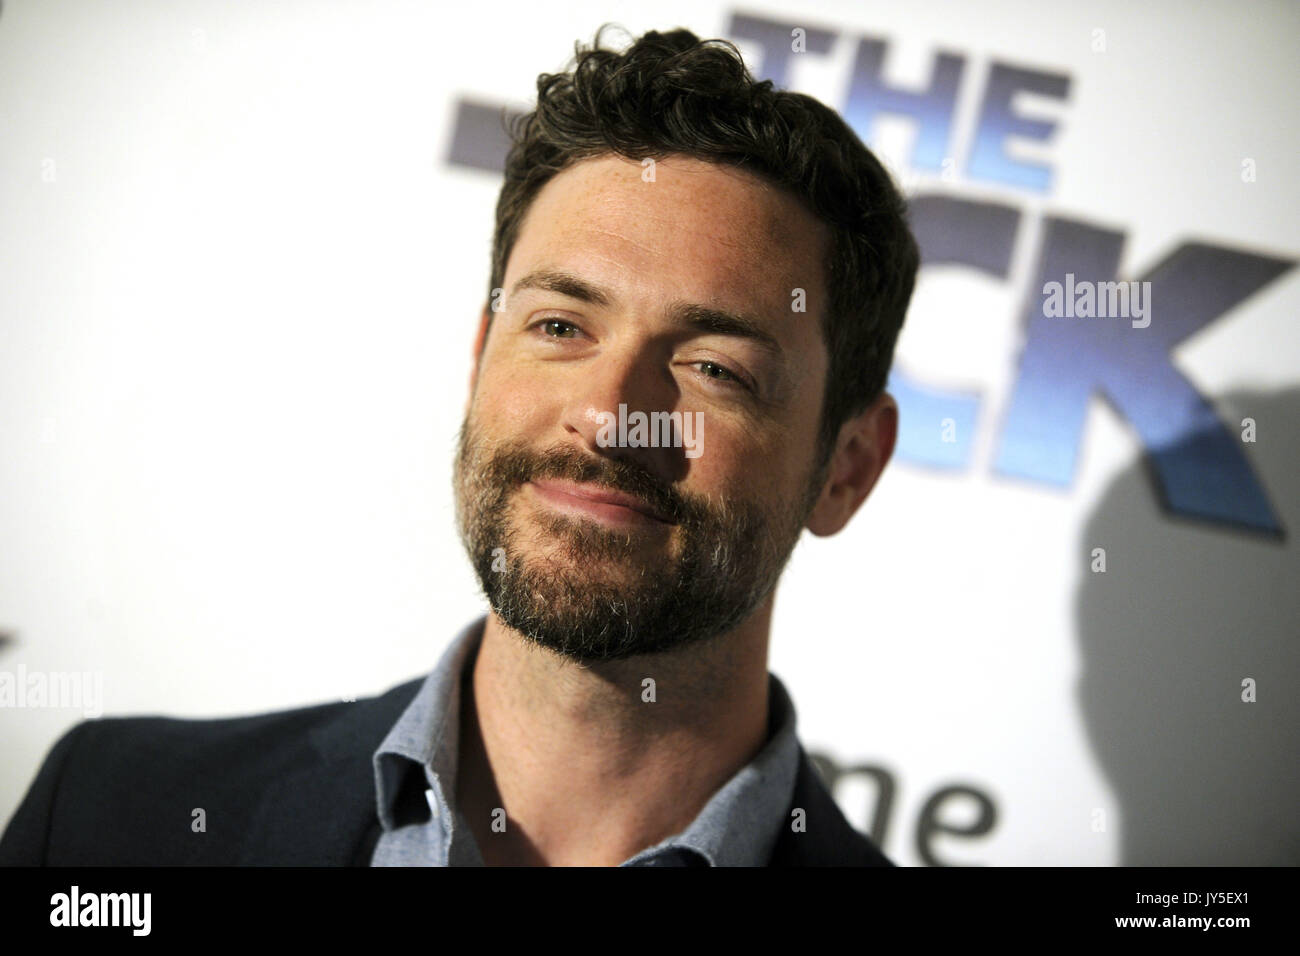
(829, 839)
(323, 811)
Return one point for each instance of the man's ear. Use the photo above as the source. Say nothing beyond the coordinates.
(479, 339)
(862, 450)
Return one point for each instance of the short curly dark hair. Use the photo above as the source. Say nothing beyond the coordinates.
(673, 93)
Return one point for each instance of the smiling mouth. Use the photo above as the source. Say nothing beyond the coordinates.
(611, 507)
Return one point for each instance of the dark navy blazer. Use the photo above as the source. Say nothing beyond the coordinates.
(288, 788)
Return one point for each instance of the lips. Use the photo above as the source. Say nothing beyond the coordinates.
(602, 501)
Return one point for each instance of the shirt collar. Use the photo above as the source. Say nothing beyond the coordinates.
(428, 735)
(738, 826)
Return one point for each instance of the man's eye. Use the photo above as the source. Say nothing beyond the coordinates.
(557, 328)
(722, 374)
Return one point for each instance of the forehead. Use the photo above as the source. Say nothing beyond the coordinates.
(697, 231)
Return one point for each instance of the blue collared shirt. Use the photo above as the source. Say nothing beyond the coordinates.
(415, 785)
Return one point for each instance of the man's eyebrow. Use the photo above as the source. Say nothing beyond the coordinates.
(698, 317)
(564, 283)
(717, 322)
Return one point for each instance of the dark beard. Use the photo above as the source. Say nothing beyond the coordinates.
(726, 558)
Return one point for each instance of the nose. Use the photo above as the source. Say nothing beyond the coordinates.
(608, 390)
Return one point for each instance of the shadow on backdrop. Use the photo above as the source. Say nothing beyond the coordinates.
(1184, 613)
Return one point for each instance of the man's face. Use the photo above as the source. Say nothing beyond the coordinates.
(677, 295)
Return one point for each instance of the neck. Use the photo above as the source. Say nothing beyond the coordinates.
(587, 768)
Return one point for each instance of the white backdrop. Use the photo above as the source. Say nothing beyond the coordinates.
(239, 277)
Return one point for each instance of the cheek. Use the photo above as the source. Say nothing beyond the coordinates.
(778, 466)
(739, 463)
(507, 402)
(797, 436)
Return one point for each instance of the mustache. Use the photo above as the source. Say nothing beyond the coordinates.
(513, 465)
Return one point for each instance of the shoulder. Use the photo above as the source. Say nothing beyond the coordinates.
(112, 786)
(144, 749)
